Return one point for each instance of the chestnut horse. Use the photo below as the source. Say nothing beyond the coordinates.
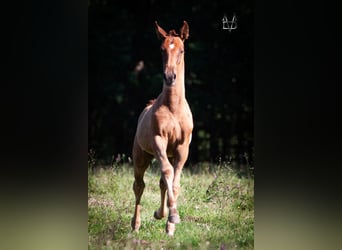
(164, 131)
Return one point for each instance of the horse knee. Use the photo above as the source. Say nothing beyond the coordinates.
(175, 189)
(167, 174)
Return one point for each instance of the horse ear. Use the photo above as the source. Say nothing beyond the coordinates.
(184, 31)
(161, 34)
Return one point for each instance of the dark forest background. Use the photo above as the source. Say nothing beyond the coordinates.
(125, 71)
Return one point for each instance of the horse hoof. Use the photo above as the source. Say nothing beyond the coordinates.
(170, 228)
(156, 216)
(175, 219)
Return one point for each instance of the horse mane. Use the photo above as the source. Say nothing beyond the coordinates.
(150, 102)
(173, 33)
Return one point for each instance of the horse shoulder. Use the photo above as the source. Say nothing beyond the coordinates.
(186, 120)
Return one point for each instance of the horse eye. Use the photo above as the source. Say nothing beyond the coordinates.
(182, 51)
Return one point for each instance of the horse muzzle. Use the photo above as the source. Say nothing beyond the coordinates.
(169, 78)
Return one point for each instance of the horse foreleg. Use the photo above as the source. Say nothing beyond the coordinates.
(180, 159)
(167, 175)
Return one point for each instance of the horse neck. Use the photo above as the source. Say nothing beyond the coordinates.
(174, 96)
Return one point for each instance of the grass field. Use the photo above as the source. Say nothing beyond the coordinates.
(216, 206)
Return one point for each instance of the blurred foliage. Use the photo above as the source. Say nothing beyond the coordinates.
(125, 71)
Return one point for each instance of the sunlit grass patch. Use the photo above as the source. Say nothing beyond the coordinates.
(216, 210)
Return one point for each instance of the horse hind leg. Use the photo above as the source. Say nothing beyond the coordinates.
(141, 161)
(138, 187)
(162, 211)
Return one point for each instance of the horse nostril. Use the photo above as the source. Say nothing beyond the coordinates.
(169, 77)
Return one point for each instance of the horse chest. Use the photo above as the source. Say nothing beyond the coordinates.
(171, 127)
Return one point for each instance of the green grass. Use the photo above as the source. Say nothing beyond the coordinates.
(216, 209)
